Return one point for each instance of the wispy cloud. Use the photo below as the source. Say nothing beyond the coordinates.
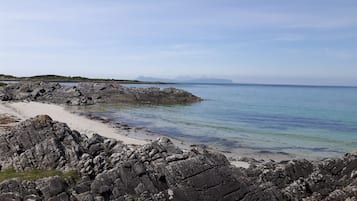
(339, 54)
(290, 37)
(228, 36)
(312, 22)
(186, 50)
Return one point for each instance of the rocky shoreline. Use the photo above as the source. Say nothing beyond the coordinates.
(110, 170)
(104, 169)
(88, 93)
(241, 155)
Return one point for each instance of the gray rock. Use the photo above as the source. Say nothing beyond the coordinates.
(87, 196)
(52, 187)
(40, 143)
(91, 93)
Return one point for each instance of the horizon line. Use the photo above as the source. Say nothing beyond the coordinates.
(203, 83)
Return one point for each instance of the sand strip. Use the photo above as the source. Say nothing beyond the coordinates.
(25, 110)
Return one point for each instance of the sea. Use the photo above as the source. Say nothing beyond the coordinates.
(318, 121)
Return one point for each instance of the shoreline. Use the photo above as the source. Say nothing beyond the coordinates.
(106, 169)
(25, 110)
(88, 124)
(232, 153)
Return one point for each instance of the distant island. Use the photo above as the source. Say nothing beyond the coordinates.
(60, 78)
(186, 80)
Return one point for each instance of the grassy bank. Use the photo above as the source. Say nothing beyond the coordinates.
(35, 174)
(60, 78)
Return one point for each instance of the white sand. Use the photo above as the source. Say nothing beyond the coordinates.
(25, 110)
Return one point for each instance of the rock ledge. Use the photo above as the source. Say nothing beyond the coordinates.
(88, 93)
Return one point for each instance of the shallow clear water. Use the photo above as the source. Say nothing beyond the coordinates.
(294, 119)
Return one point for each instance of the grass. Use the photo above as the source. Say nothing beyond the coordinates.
(60, 78)
(2, 84)
(6, 76)
(35, 174)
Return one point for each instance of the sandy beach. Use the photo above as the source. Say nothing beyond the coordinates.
(25, 110)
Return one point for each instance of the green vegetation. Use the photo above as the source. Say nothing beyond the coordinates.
(63, 78)
(2, 84)
(60, 78)
(2, 76)
(35, 174)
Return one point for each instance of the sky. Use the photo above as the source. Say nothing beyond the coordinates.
(248, 41)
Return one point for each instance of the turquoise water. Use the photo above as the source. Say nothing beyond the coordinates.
(294, 119)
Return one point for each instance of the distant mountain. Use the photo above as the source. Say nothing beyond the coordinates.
(210, 80)
(186, 80)
(60, 78)
(155, 79)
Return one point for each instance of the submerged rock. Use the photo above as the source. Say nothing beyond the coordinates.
(110, 170)
(91, 93)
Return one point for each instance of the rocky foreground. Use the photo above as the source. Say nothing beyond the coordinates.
(88, 93)
(110, 170)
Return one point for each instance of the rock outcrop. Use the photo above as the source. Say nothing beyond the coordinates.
(110, 170)
(91, 93)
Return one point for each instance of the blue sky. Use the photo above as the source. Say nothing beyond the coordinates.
(275, 41)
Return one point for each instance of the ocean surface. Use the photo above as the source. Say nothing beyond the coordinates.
(304, 120)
